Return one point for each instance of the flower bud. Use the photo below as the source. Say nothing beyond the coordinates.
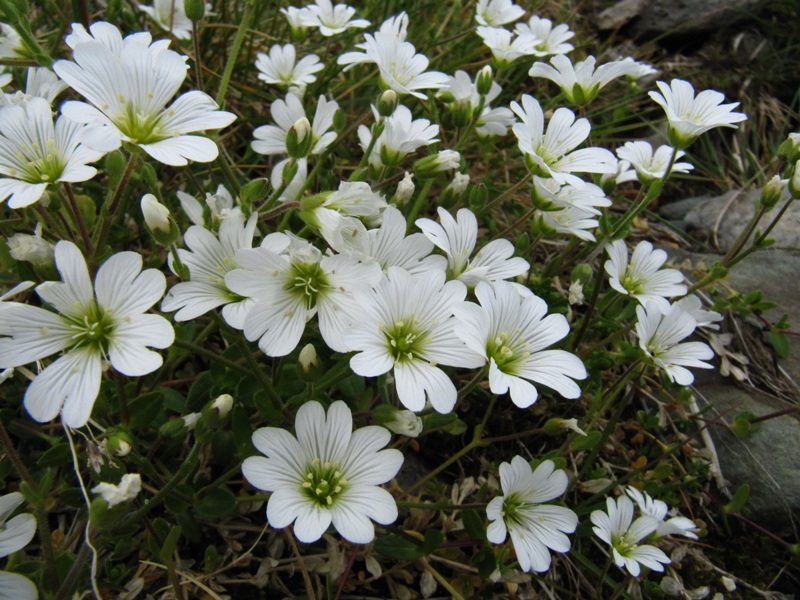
(556, 426)
(401, 422)
(581, 273)
(173, 429)
(223, 404)
(156, 215)
(484, 81)
(299, 139)
(195, 9)
(478, 195)
(387, 103)
(794, 182)
(308, 358)
(429, 166)
(789, 150)
(339, 121)
(129, 487)
(772, 192)
(454, 190)
(405, 189)
(119, 444)
(31, 248)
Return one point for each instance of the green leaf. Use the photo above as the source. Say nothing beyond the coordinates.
(485, 561)
(739, 499)
(170, 544)
(57, 456)
(433, 539)
(780, 343)
(218, 503)
(457, 427)
(145, 408)
(398, 548)
(741, 424)
(473, 524)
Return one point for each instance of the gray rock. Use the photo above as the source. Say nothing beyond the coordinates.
(721, 219)
(689, 17)
(620, 14)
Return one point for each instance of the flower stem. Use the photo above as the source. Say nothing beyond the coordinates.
(76, 214)
(476, 441)
(598, 281)
(112, 209)
(198, 67)
(442, 580)
(421, 197)
(244, 25)
(186, 468)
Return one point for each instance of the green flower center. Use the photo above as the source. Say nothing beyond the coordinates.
(140, 126)
(94, 331)
(324, 482)
(508, 349)
(405, 340)
(631, 283)
(624, 544)
(37, 164)
(307, 281)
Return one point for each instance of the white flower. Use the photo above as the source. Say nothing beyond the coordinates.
(406, 325)
(568, 220)
(643, 278)
(39, 83)
(219, 206)
(497, 12)
(129, 83)
(156, 215)
(511, 330)
(548, 153)
(546, 39)
(457, 238)
(652, 166)
(282, 68)
(581, 83)
(295, 186)
(389, 246)
(658, 510)
(461, 93)
(330, 19)
(405, 423)
(618, 529)
(402, 69)
(271, 139)
(690, 116)
(505, 46)
(35, 153)
(405, 189)
(660, 336)
(15, 534)
(534, 527)
(327, 475)
(587, 197)
(94, 324)
(401, 136)
(11, 45)
(208, 259)
(694, 306)
(291, 288)
(129, 487)
(170, 15)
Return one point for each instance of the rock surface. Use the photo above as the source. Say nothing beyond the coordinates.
(689, 17)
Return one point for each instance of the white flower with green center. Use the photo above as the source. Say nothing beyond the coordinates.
(330, 19)
(581, 82)
(618, 529)
(93, 325)
(35, 153)
(691, 116)
(401, 67)
(658, 510)
(402, 135)
(506, 46)
(389, 246)
(511, 330)
(281, 67)
(406, 326)
(39, 83)
(495, 13)
(209, 259)
(652, 166)
(15, 534)
(327, 474)
(550, 153)
(457, 239)
(129, 83)
(547, 40)
(660, 336)
(643, 278)
(290, 288)
(534, 526)
(271, 139)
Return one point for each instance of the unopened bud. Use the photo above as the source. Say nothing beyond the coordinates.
(156, 215)
(195, 9)
(789, 150)
(119, 444)
(454, 190)
(772, 192)
(484, 81)
(387, 103)
(405, 189)
(299, 139)
(581, 273)
(173, 429)
(445, 160)
(30, 248)
(478, 195)
(223, 404)
(794, 182)
(556, 426)
(308, 358)
(339, 121)
(402, 422)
